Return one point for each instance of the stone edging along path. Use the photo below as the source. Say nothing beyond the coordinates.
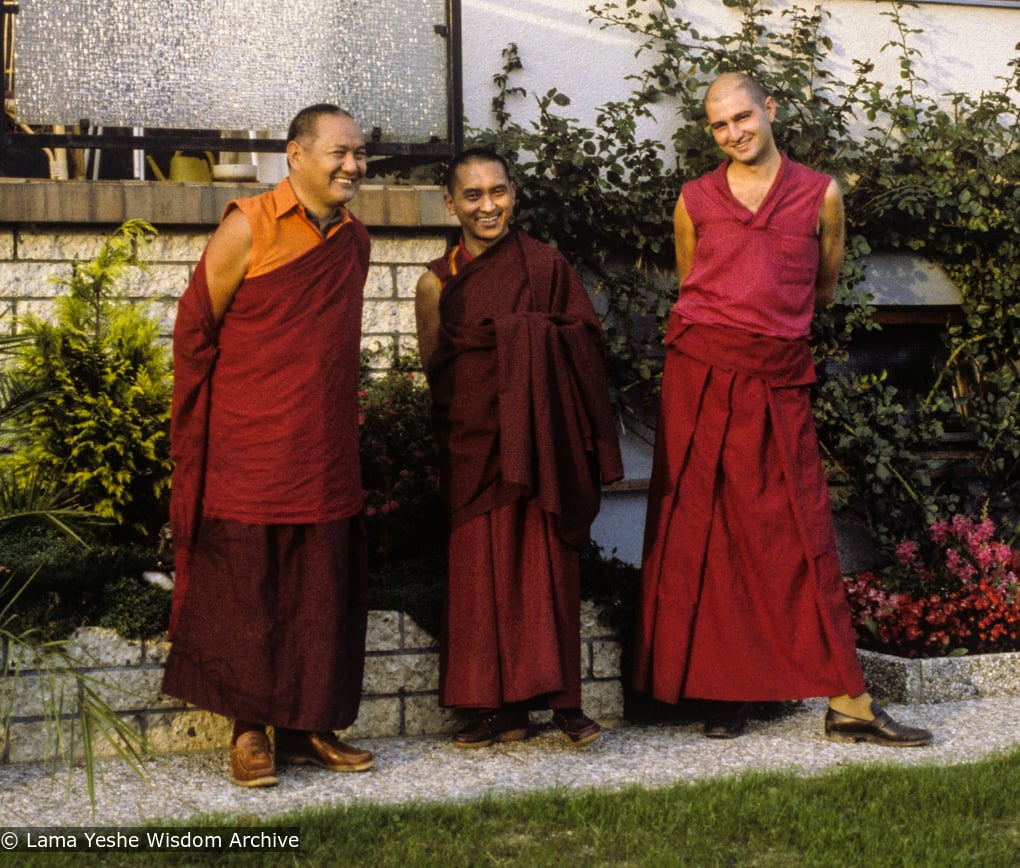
(400, 690)
(941, 679)
(400, 696)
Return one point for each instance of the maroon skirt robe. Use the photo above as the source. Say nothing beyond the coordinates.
(742, 592)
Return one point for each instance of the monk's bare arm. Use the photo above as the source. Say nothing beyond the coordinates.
(831, 244)
(426, 315)
(684, 239)
(226, 260)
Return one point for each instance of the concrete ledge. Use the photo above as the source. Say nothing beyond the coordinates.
(28, 200)
(400, 695)
(940, 679)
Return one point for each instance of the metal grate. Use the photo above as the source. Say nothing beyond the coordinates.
(240, 65)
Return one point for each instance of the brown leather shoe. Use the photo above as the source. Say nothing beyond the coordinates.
(493, 726)
(578, 728)
(322, 749)
(882, 730)
(251, 760)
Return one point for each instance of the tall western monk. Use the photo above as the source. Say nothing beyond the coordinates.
(742, 591)
(269, 612)
(515, 360)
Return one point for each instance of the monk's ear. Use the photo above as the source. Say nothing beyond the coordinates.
(448, 202)
(293, 153)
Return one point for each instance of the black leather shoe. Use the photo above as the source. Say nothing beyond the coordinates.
(728, 720)
(882, 730)
(493, 726)
(577, 727)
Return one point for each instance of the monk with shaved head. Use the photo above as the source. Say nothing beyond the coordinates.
(742, 592)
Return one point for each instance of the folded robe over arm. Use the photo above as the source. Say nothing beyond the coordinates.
(520, 399)
(527, 435)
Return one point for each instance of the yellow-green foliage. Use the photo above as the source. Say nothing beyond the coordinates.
(103, 428)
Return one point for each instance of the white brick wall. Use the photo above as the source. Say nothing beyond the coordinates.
(29, 259)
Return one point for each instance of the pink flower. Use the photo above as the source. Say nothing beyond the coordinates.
(967, 598)
(983, 532)
(985, 556)
(906, 551)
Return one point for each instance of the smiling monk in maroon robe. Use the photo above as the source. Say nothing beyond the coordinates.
(515, 360)
(270, 611)
(742, 595)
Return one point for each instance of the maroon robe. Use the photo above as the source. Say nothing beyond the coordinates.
(264, 419)
(526, 434)
(743, 598)
(269, 614)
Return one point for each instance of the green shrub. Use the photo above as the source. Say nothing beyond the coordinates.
(133, 607)
(70, 585)
(103, 429)
(413, 585)
(614, 585)
(404, 513)
(399, 464)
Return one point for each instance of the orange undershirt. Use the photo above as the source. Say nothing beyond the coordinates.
(281, 229)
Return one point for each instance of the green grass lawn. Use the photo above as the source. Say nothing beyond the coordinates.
(858, 816)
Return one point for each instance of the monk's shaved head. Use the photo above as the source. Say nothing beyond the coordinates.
(731, 81)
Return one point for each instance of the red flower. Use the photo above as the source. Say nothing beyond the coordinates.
(960, 591)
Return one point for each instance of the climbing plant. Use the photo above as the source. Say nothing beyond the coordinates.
(921, 172)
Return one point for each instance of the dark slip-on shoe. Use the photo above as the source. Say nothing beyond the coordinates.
(882, 730)
(493, 726)
(727, 720)
(578, 728)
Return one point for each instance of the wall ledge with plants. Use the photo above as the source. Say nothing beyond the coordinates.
(41, 691)
(26, 200)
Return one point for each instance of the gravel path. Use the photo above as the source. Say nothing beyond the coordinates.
(179, 786)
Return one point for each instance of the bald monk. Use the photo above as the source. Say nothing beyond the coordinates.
(742, 593)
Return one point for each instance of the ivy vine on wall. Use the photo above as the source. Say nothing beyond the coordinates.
(936, 177)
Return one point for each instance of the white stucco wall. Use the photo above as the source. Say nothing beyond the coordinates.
(963, 47)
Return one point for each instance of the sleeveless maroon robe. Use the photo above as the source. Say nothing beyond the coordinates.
(742, 592)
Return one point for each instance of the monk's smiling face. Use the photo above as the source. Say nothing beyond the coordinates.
(482, 199)
(327, 169)
(741, 120)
